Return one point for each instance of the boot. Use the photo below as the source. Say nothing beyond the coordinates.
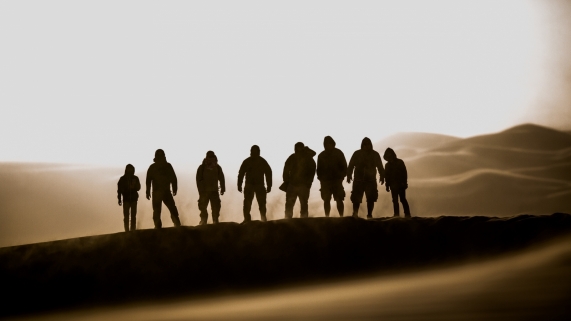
(263, 218)
(202, 221)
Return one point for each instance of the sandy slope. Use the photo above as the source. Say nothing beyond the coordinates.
(530, 285)
(232, 258)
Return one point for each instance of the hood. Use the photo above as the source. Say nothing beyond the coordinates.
(366, 143)
(328, 142)
(389, 154)
(160, 156)
(129, 170)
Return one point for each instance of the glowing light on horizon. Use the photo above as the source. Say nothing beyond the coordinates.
(82, 83)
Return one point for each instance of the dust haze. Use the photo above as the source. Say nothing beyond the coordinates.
(523, 170)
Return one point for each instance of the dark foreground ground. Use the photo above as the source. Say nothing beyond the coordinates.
(229, 258)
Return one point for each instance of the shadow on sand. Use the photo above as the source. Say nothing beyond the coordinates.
(159, 264)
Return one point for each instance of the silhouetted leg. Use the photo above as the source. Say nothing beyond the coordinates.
(157, 207)
(133, 215)
(303, 201)
(216, 205)
(340, 208)
(326, 197)
(372, 194)
(356, 209)
(261, 198)
(402, 195)
(248, 199)
(395, 197)
(203, 207)
(339, 196)
(169, 202)
(357, 196)
(126, 206)
(370, 207)
(291, 195)
(327, 207)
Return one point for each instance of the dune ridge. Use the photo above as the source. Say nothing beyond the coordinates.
(156, 264)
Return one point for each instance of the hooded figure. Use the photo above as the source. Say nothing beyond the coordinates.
(299, 171)
(255, 168)
(161, 176)
(366, 162)
(331, 170)
(397, 184)
(128, 187)
(207, 177)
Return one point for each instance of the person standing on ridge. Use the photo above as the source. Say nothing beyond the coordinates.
(207, 177)
(299, 171)
(365, 162)
(397, 184)
(331, 170)
(161, 175)
(128, 187)
(254, 168)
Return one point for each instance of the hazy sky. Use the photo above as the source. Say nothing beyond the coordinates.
(111, 81)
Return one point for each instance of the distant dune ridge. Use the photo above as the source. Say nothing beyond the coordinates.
(229, 257)
(525, 169)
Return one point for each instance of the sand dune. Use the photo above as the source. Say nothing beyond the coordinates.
(229, 257)
(529, 285)
(521, 170)
(411, 144)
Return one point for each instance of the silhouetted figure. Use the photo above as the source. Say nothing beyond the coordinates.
(255, 167)
(298, 174)
(331, 170)
(207, 177)
(366, 162)
(161, 175)
(396, 176)
(128, 187)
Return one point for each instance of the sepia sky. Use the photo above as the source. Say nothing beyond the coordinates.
(108, 82)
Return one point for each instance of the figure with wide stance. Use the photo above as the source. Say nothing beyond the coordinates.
(366, 162)
(128, 187)
(299, 171)
(255, 168)
(161, 176)
(207, 177)
(331, 170)
(397, 177)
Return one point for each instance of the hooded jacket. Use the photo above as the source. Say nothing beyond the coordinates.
(299, 169)
(207, 177)
(128, 187)
(395, 170)
(254, 168)
(331, 163)
(366, 163)
(161, 175)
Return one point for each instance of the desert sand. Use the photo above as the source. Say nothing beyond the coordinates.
(461, 268)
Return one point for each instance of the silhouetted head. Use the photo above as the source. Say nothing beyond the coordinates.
(328, 142)
(299, 147)
(255, 151)
(210, 154)
(389, 155)
(210, 161)
(160, 155)
(366, 144)
(129, 170)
